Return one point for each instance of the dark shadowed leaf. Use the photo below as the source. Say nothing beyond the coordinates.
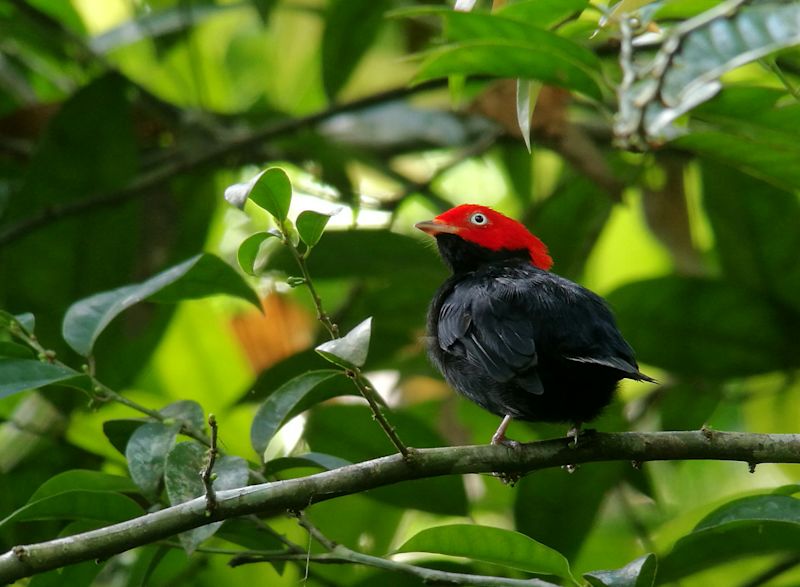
(639, 573)
(698, 327)
(119, 431)
(350, 433)
(293, 397)
(146, 454)
(12, 350)
(83, 479)
(183, 483)
(746, 215)
(202, 275)
(749, 526)
(543, 13)
(538, 504)
(311, 224)
(492, 545)
(350, 28)
(20, 374)
(314, 460)
(272, 191)
(350, 350)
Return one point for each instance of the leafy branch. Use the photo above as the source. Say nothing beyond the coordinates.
(269, 499)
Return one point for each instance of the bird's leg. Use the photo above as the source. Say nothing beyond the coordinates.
(574, 432)
(500, 435)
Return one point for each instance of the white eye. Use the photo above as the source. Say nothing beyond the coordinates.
(478, 219)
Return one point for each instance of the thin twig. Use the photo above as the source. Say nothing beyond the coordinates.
(208, 467)
(368, 393)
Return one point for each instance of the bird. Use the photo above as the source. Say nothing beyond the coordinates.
(518, 340)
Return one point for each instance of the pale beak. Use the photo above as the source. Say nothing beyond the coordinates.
(434, 227)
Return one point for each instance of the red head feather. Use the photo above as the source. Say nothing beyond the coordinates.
(488, 228)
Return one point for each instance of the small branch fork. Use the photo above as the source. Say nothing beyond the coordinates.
(208, 467)
(271, 499)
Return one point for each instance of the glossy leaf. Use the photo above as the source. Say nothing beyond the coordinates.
(146, 454)
(83, 479)
(249, 250)
(292, 398)
(639, 573)
(103, 506)
(746, 215)
(491, 545)
(697, 326)
(350, 350)
(311, 224)
(749, 526)
(21, 374)
(183, 483)
(202, 275)
(272, 191)
(350, 28)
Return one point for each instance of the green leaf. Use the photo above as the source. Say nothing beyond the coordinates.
(350, 350)
(746, 214)
(349, 432)
(249, 251)
(272, 191)
(13, 350)
(146, 453)
(310, 459)
(311, 224)
(202, 275)
(292, 398)
(21, 374)
(639, 573)
(183, 483)
(749, 526)
(350, 28)
(82, 479)
(698, 327)
(510, 58)
(492, 545)
(187, 412)
(542, 13)
(563, 529)
(25, 321)
(119, 431)
(103, 506)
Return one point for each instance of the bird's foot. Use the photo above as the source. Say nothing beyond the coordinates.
(573, 433)
(499, 436)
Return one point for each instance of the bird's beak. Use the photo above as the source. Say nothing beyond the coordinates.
(434, 227)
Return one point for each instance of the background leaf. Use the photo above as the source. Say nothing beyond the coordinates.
(639, 573)
(349, 350)
(20, 374)
(146, 453)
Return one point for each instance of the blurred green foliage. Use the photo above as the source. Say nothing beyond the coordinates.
(123, 123)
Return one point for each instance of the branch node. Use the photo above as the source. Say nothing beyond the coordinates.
(206, 472)
(707, 432)
(21, 553)
(751, 466)
(636, 465)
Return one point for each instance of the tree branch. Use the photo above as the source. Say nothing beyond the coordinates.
(270, 499)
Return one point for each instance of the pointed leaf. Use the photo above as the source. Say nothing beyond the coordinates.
(249, 250)
(293, 397)
(272, 191)
(183, 483)
(187, 412)
(310, 459)
(350, 350)
(21, 374)
(311, 224)
(25, 321)
(146, 454)
(639, 573)
(749, 526)
(202, 275)
(78, 479)
(119, 431)
(12, 350)
(492, 545)
(543, 13)
(525, 91)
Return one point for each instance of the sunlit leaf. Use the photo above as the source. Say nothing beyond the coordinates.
(351, 349)
(272, 191)
(492, 545)
(639, 573)
(289, 400)
(311, 224)
(202, 275)
(249, 251)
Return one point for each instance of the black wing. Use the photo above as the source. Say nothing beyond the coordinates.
(487, 322)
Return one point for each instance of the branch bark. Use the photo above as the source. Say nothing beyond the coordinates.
(296, 494)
